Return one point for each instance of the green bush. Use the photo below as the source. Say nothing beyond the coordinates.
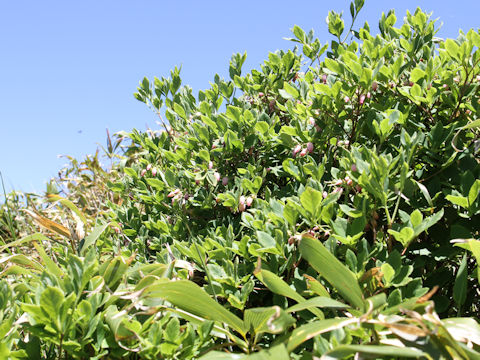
(325, 205)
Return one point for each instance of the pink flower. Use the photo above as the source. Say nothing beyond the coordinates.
(241, 207)
(296, 150)
(210, 165)
(354, 168)
(338, 182)
(374, 86)
(225, 181)
(311, 121)
(347, 99)
(173, 193)
(143, 172)
(303, 152)
(369, 95)
(324, 78)
(310, 147)
(338, 190)
(242, 200)
(362, 99)
(261, 94)
(249, 201)
(324, 194)
(149, 166)
(154, 171)
(216, 175)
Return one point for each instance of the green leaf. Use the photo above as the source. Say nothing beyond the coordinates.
(416, 75)
(318, 301)
(50, 302)
(473, 124)
(461, 201)
(311, 200)
(266, 240)
(49, 263)
(460, 286)
(404, 237)
(291, 90)
(190, 297)
(375, 351)
(416, 218)
(278, 352)
(310, 330)
(93, 236)
(299, 33)
(271, 320)
(262, 127)
(473, 192)
(452, 48)
(328, 266)
(276, 285)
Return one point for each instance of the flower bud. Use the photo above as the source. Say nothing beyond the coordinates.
(242, 200)
(173, 193)
(338, 182)
(362, 99)
(369, 95)
(210, 165)
(296, 150)
(354, 168)
(249, 201)
(303, 152)
(149, 166)
(241, 207)
(311, 121)
(347, 99)
(143, 172)
(154, 171)
(324, 194)
(349, 181)
(216, 175)
(225, 181)
(310, 147)
(261, 94)
(338, 190)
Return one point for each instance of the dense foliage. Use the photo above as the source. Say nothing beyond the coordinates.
(323, 206)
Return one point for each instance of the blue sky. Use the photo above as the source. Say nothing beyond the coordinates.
(68, 69)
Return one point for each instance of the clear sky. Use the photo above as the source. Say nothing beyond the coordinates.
(68, 68)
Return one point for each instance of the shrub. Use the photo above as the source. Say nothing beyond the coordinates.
(325, 205)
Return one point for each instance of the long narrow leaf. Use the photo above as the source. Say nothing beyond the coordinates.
(190, 297)
(92, 237)
(308, 331)
(344, 351)
(332, 270)
(276, 285)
